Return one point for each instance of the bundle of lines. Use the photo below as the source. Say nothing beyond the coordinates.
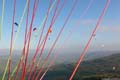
(36, 72)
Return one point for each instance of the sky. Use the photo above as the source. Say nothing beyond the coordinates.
(76, 32)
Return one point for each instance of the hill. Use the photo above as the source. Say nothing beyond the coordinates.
(108, 66)
(96, 66)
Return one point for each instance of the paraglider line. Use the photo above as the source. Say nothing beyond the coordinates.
(48, 32)
(49, 53)
(18, 66)
(89, 41)
(66, 40)
(1, 21)
(30, 32)
(38, 45)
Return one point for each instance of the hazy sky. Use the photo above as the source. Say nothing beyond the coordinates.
(107, 34)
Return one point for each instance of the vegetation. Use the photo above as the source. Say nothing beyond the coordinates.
(106, 67)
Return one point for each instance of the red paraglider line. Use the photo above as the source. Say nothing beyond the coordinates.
(51, 63)
(90, 3)
(11, 44)
(58, 13)
(25, 41)
(38, 45)
(49, 53)
(89, 41)
(30, 32)
(52, 22)
(56, 55)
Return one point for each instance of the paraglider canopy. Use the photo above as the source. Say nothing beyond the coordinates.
(49, 30)
(34, 29)
(16, 23)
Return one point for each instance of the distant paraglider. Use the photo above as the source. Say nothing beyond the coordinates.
(49, 30)
(16, 23)
(34, 29)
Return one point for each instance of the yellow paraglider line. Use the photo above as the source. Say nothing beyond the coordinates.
(14, 70)
(1, 21)
(21, 19)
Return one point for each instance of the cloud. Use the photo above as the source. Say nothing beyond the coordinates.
(109, 29)
(85, 22)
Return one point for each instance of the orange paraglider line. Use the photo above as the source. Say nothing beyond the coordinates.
(89, 41)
